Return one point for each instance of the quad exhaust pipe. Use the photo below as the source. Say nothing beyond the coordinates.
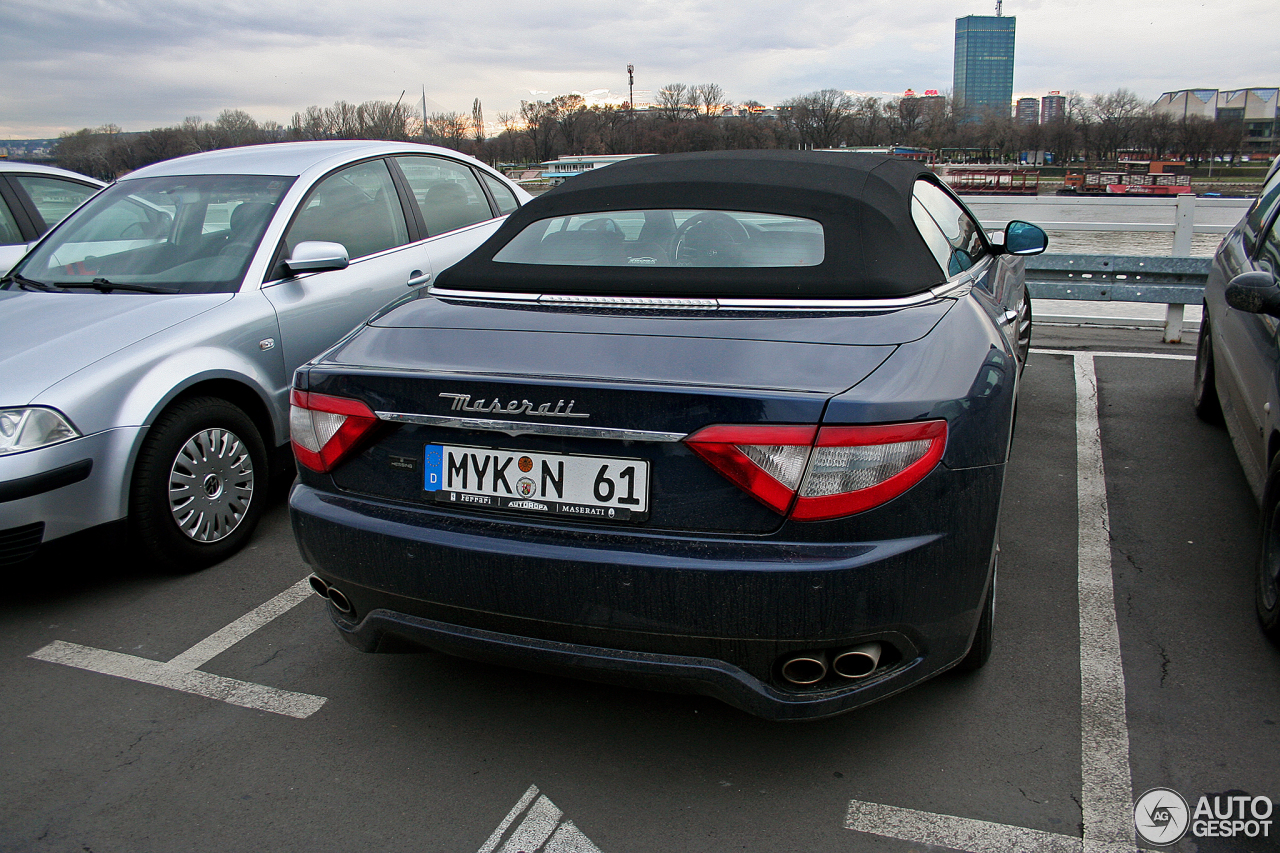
(857, 662)
(806, 668)
(339, 601)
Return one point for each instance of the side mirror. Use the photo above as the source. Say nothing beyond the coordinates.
(317, 256)
(1023, 238)
(1255, 292)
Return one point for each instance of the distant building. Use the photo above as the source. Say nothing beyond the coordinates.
(1028, 111)
(1052, 106)
(557, 171)
(1257, 109)
(984, 64)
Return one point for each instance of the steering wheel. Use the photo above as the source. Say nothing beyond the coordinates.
(709, 239)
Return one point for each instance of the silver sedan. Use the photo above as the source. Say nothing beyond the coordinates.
(149, 340)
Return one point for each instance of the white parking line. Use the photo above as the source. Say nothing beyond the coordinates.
(957, 833)
(541, 831)
(1106, 781)
(214, 645)
(1159, 356)
(1106, 796)
(181, 672)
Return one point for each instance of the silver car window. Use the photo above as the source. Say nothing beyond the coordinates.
(9, 233)
(191, 233)
(357, 207)
(447, 193)
(54, 198)
(1260, 211)
(1270, 254)
(502, 194)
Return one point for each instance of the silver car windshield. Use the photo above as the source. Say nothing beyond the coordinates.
(668, 238)
(187, 234)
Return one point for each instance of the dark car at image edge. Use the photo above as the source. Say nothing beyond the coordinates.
(1237, 378)
(725, 423)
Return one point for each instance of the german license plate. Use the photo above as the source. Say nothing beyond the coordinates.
(601, 487)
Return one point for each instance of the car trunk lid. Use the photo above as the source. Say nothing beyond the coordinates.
(521, 398)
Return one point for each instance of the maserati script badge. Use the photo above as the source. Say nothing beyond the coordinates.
(462, 403)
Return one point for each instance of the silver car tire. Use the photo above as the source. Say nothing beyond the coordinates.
(1267, 572)
(199, 486)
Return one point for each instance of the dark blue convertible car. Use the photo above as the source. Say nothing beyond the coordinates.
(730, 423)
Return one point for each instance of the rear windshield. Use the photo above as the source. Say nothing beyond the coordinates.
(668, 238)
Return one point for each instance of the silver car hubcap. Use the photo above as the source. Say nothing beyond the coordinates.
(210, 485)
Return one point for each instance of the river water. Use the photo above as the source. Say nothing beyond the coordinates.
(1126, 243)
(1111, 214)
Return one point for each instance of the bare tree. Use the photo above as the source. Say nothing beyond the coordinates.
(344, 120)
(89, 152)
(448, 129)
(821, 118)
(675, 102)
(708, 99)
(233, 128)
(866, 122)
(539, 127)
(1117, 117)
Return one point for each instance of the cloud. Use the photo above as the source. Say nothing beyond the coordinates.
(145, 63)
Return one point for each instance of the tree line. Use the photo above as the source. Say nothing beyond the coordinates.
(688, 117)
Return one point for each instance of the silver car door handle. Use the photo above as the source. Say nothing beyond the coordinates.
(1008, 316)
(416, 278)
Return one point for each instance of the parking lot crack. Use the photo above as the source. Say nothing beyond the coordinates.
(269, 659)
(1030, 798)
(1164, 665)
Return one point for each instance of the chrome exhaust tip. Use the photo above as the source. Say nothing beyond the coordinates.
(339, 601)
(805, 668)
(857, 662)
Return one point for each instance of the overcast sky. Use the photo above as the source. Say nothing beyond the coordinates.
(141, 64)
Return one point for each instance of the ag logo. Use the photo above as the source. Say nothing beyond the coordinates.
(1161, 816)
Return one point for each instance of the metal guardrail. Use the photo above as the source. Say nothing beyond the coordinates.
(1175, 282)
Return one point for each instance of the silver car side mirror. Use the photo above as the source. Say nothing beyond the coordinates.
(317, 256)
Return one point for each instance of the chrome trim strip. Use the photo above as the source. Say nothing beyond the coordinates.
(829, 304)
(631, 301)
(514, 428)
(482, 295)
(950, 289)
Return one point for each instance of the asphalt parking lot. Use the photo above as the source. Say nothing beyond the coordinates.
(220, 712)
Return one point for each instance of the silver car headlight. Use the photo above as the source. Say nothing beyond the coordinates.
(29, 428)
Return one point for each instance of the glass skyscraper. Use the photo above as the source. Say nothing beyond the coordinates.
(984, 64)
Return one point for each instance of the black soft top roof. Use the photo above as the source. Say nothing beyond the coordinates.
(863, 201)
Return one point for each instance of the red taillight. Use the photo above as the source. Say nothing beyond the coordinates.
(823, 473)
(324, 429)
(766, 461)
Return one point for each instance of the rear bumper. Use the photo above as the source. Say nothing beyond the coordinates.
(666, 672)
(710, 615)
